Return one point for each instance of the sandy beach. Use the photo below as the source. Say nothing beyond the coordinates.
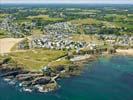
(7, 43)
(125, 52)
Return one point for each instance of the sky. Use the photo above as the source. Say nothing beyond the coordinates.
(70, 1)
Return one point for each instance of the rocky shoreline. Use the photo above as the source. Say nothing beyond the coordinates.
(38, 81)
(29, 81)
(44, 82)
(34, 81)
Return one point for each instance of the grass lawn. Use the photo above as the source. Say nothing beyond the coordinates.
(125, 25)
(35, 59)
(1, 57)
(85, 38)
(3, 16)
(56, 64)
(21, 21)
(44, 18)
(88, 21)
(3, 34)
(91, 21)
(37, 32)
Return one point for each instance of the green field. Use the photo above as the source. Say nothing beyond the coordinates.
(88, 21)
(44, 18)
(3, 34)
(34, 59)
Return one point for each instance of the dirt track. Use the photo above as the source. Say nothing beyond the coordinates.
(7, 43)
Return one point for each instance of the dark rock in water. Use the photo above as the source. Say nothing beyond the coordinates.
(29, 79)
(13, 73)
(26, 78)
(5, 69)
(10, 77)
(42, 80)
(49, 87)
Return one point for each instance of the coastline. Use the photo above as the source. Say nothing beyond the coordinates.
(42, 82)
(30, 81)
(43, 45)
(128, 52)
(84, 80)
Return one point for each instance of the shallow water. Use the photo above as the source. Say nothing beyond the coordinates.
(108, 78)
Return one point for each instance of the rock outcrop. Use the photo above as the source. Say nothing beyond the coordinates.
(41, 80)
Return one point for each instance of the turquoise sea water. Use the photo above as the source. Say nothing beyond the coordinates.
(109, 78)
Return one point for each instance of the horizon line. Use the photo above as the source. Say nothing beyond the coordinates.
(61, 3)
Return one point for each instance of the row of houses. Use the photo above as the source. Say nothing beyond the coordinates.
(59, 37)
(60, 42)
(13, 28)
(60, 28)
(8, 25)
(115, 40)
